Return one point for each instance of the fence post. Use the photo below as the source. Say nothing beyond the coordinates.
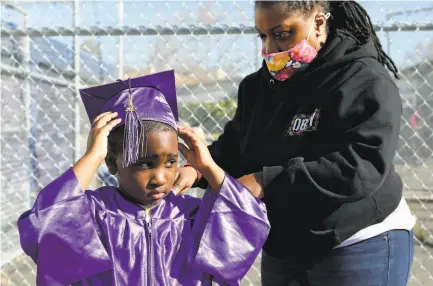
(76, 83)
(29, 112)
(120, 44)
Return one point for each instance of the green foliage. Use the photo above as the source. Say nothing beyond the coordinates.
(212, 116)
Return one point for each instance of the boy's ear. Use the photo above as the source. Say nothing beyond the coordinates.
(110, 160)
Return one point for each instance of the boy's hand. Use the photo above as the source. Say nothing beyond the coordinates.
(97, 143)
(197, 154)
(97, 148)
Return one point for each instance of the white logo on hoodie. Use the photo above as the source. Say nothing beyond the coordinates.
(304, 123)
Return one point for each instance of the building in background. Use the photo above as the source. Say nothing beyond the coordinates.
(37, 115)
(416, 89)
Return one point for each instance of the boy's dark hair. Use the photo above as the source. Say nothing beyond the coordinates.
(115, 139)
(347, 16)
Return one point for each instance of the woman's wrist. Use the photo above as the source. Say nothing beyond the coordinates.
(199, 175)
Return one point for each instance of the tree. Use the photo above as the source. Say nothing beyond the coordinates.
(200, 55)
(212, 116)
(91, 46)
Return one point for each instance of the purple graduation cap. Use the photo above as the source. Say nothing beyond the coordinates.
(146, 98)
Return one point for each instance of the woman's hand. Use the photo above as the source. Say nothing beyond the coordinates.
(197, 154)
(254, 183)
(186, 177)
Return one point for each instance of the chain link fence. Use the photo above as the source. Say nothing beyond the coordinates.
(49, 49)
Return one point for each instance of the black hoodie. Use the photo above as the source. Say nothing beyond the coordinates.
(325, 141)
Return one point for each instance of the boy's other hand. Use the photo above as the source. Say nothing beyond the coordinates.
(97, 143)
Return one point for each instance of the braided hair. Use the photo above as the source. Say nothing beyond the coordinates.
(348, 17)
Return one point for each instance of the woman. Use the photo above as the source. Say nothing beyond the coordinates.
(316, 130)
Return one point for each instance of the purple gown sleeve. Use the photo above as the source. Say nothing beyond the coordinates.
(58, 233)
(229, 230)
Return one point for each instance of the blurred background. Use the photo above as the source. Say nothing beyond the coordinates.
(50, 49)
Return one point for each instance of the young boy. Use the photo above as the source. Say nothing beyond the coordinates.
(141, 233)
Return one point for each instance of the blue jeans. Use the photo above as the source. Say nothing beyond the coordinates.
(384, 260)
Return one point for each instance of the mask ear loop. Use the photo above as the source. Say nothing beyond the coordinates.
(327, 16)
(311, 29)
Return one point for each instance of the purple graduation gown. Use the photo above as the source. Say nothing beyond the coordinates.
(100, 238)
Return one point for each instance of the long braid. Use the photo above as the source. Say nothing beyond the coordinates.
(351, 18)
(347, 16)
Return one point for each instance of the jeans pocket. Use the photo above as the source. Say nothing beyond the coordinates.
(378, 238)
(400, 257)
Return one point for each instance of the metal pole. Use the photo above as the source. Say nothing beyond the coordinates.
(179, 31)
(101, 71)
(388, 39)
(76, 84)
(120, 44)
(29, 113)
(398, 13)
(29, 107)
(35, 76)
(426, 9)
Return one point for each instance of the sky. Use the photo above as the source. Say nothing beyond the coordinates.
(206, 50)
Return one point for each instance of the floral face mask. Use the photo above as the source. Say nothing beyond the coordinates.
(282, 65)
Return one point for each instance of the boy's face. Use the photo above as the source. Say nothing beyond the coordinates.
(152, 178)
